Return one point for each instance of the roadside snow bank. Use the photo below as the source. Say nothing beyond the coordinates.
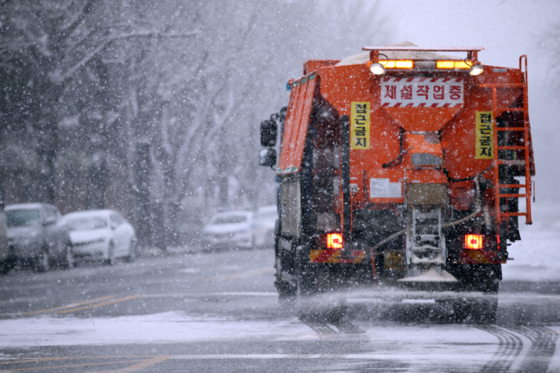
(537, 255)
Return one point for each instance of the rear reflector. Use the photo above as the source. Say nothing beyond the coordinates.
(334, 241)
(473, 241)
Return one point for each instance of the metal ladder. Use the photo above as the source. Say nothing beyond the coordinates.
(526, 147)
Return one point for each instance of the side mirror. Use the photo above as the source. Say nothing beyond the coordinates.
(269, 132)
(267, 157)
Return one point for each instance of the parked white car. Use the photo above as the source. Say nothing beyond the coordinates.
(230, 229)
(100, 234)
(264, 222)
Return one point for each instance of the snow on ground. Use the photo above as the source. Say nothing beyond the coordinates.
(448, 344)
(536, 256)
(179, 327)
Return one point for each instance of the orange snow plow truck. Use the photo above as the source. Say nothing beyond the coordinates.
(401, 165)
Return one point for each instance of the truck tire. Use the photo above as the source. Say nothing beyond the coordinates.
(305, 276)
(478, 311)
(285, 290)
(482, 309)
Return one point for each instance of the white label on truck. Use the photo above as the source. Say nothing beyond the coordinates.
(382, 188)
(421, 92)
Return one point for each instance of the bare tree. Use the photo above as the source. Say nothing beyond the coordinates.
(49, 43)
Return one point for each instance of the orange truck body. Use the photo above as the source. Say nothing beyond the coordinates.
(428, 134)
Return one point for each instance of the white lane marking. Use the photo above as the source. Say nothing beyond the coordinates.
(224, 294)
(240, 275)
(189, 270)
(273, 356)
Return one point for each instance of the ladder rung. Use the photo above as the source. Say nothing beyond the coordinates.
(512, 186)
(512, 128)
(512, 195)
(511, 163)
(511, 109)
(511, 147)
(513, 214)
(502, 85)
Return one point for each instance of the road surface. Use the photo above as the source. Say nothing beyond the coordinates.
(218, 312)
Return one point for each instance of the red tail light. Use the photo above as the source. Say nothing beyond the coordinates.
(334, 241)
(473, 241)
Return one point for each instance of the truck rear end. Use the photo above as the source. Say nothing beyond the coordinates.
(401, 166)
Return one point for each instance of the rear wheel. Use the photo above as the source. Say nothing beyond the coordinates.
(68, 258)
(5, 267)
(110, 255)
(477, 310)
(43, 261)
(481, 308)
(131, 256)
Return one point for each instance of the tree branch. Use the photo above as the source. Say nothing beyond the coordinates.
(103, 45)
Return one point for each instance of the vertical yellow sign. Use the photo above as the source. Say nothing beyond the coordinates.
(359, 125)
(484, 135)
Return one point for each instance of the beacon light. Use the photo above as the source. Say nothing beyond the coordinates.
(377, 69)
(476, 70)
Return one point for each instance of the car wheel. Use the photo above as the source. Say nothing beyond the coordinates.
(131, 256)
(4, 267)
(43, 261)
(68, 258)
(110, 255)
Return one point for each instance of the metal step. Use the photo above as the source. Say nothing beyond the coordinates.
(512, 186)
(503, 129)
(511, 163)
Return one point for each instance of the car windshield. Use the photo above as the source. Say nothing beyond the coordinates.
(22, 218)
(231, 219)
(86, 223)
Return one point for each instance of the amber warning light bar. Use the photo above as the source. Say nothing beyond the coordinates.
(378, 65)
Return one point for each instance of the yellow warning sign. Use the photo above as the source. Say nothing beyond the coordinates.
(359, 126)
(484, 135)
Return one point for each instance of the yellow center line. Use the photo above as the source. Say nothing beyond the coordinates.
(68, 306)
(99, 304)
(139, 366)
(74, 365)
(43, 359)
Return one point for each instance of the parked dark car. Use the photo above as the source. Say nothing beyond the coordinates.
(6, 262)
(37, 237)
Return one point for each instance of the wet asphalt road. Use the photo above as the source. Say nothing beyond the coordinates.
(218, 312)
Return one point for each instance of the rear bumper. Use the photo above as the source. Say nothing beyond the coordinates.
(482, 257)
(92, 250)
(244, 240)
(23, 249)
(335, 256)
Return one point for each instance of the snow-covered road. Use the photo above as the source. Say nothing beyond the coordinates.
(219, 312)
